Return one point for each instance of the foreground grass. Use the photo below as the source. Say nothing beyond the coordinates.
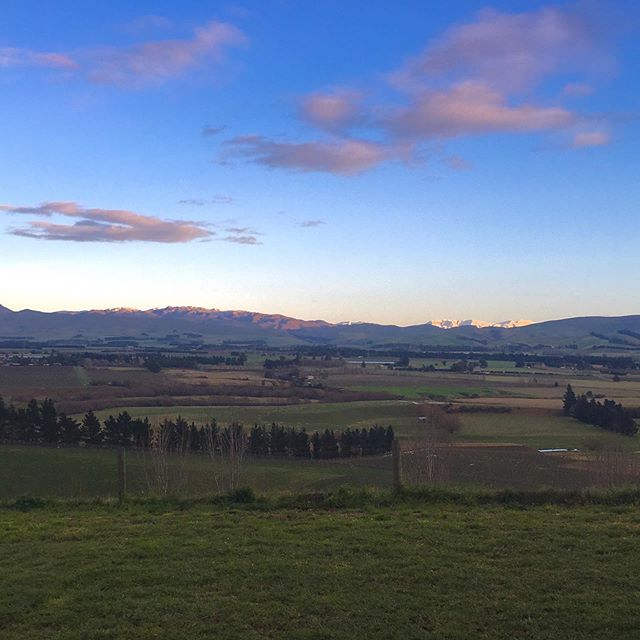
(401, 570)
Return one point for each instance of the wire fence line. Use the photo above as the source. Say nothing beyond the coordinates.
(515, 466)
(97, 472)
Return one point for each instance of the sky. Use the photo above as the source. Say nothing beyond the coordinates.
(392, 162)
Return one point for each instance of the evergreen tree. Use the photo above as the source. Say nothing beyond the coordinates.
(49, 426)
(568, 400)
(111, 432)
(315, 445)
(32, 422)
(91, 429)
(69, 429)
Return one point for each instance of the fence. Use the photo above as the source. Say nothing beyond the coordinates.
(84, 472)
(88, 472)
(512, 466)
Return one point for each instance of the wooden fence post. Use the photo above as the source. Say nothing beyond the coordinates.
(122, 476)
(396, 455)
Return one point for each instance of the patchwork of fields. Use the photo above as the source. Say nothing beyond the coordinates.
(498, 406)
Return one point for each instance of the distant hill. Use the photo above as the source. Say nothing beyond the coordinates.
(195, 324)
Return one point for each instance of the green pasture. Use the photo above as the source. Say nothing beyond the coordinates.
(405, 571)
(534, 429)
(51, 472)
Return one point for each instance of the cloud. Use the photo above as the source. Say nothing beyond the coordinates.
(457, 163)
(345, 156)
(332, 111)
(11, 57)
(201, 202)
(103, 225)
(492, 74)
(158, 61)
(577, 89)
(241, 239)
(507, 50)
(212, 131)
(144, 24)
(590, 139)
(148, 63)
(238, 231)
(309, 224)
(471, 108)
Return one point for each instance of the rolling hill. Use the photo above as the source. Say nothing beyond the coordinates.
(196, 324)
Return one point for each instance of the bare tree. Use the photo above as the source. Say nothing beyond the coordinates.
(168, 452)
(430, 457)
(157, 471)
(226, 449)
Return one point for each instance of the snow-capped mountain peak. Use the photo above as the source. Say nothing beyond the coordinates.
(454, 324)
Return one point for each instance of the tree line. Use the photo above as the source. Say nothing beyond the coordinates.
(607, 414)
(40, 422)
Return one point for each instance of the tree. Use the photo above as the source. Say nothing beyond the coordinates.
(91, 429)
(49, 426)
(69, 429)
(568, 400)
(32, 422)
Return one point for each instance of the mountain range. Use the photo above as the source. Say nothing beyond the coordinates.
(197, 324)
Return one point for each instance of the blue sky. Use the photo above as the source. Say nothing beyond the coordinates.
(389, 162)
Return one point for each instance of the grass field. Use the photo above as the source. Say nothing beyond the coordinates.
(311, 415)
(47, 472)
(535, 429)
(406, 571)
(440, 392)
(37, 377)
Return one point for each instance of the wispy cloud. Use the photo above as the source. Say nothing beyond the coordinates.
(145, 24)
(578, 89)
(158, 61)
(241, 239)
(457, 163)
(333, 111)
(201, 202)
(471, 108)
(12, 57)
(510, 51)
(590, 139)
(207, 132)
(103, 225)
(489, 75)
(309, 224)
(153, 62)
(345, 156)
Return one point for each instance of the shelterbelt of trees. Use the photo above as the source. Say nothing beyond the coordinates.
(606, 414)
(41, 423)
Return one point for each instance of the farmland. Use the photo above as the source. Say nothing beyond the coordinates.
(496, 406)
(404, 570)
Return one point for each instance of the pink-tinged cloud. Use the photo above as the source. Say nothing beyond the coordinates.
(139, 65)
(457, 163)
(332, 111)
(507, 50)
(103, 225)
(590, 139)
(343, 156)
(11, 57)
(578, 89)
(145, 24)
(158, 61)
(471, 108)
